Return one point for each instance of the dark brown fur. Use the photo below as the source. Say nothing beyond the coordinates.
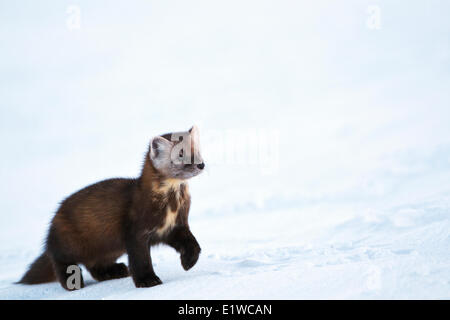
(101, 222)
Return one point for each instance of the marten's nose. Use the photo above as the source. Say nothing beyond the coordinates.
(201, 166)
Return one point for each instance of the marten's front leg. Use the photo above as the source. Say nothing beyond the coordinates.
(182, 240)
(140, 262)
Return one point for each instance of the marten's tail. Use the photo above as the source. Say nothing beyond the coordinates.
(40, 271)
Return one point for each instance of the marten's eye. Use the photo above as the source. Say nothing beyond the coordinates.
(181, 153)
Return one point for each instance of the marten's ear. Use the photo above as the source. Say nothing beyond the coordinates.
(194, 133)
(159, 150)
(193, 128)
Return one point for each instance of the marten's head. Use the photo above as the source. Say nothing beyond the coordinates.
(177, 155)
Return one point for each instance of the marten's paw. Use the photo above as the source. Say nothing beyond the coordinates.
(114, 271)
(189, 257)
(119, 270)
(72, 287)
(149, 281)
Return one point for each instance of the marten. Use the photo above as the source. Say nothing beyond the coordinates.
(100, 223)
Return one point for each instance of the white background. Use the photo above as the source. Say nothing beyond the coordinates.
(355, 203)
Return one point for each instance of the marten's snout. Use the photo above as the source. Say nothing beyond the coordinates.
(201, 166)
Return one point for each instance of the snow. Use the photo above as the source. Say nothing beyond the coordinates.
(351, 200)
(400, 255)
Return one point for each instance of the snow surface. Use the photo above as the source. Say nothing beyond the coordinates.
(351, 202)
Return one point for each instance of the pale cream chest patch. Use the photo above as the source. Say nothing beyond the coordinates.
(169, 222)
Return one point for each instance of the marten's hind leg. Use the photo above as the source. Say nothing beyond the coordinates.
(69, 275)
(64, 263)
(102, 272)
